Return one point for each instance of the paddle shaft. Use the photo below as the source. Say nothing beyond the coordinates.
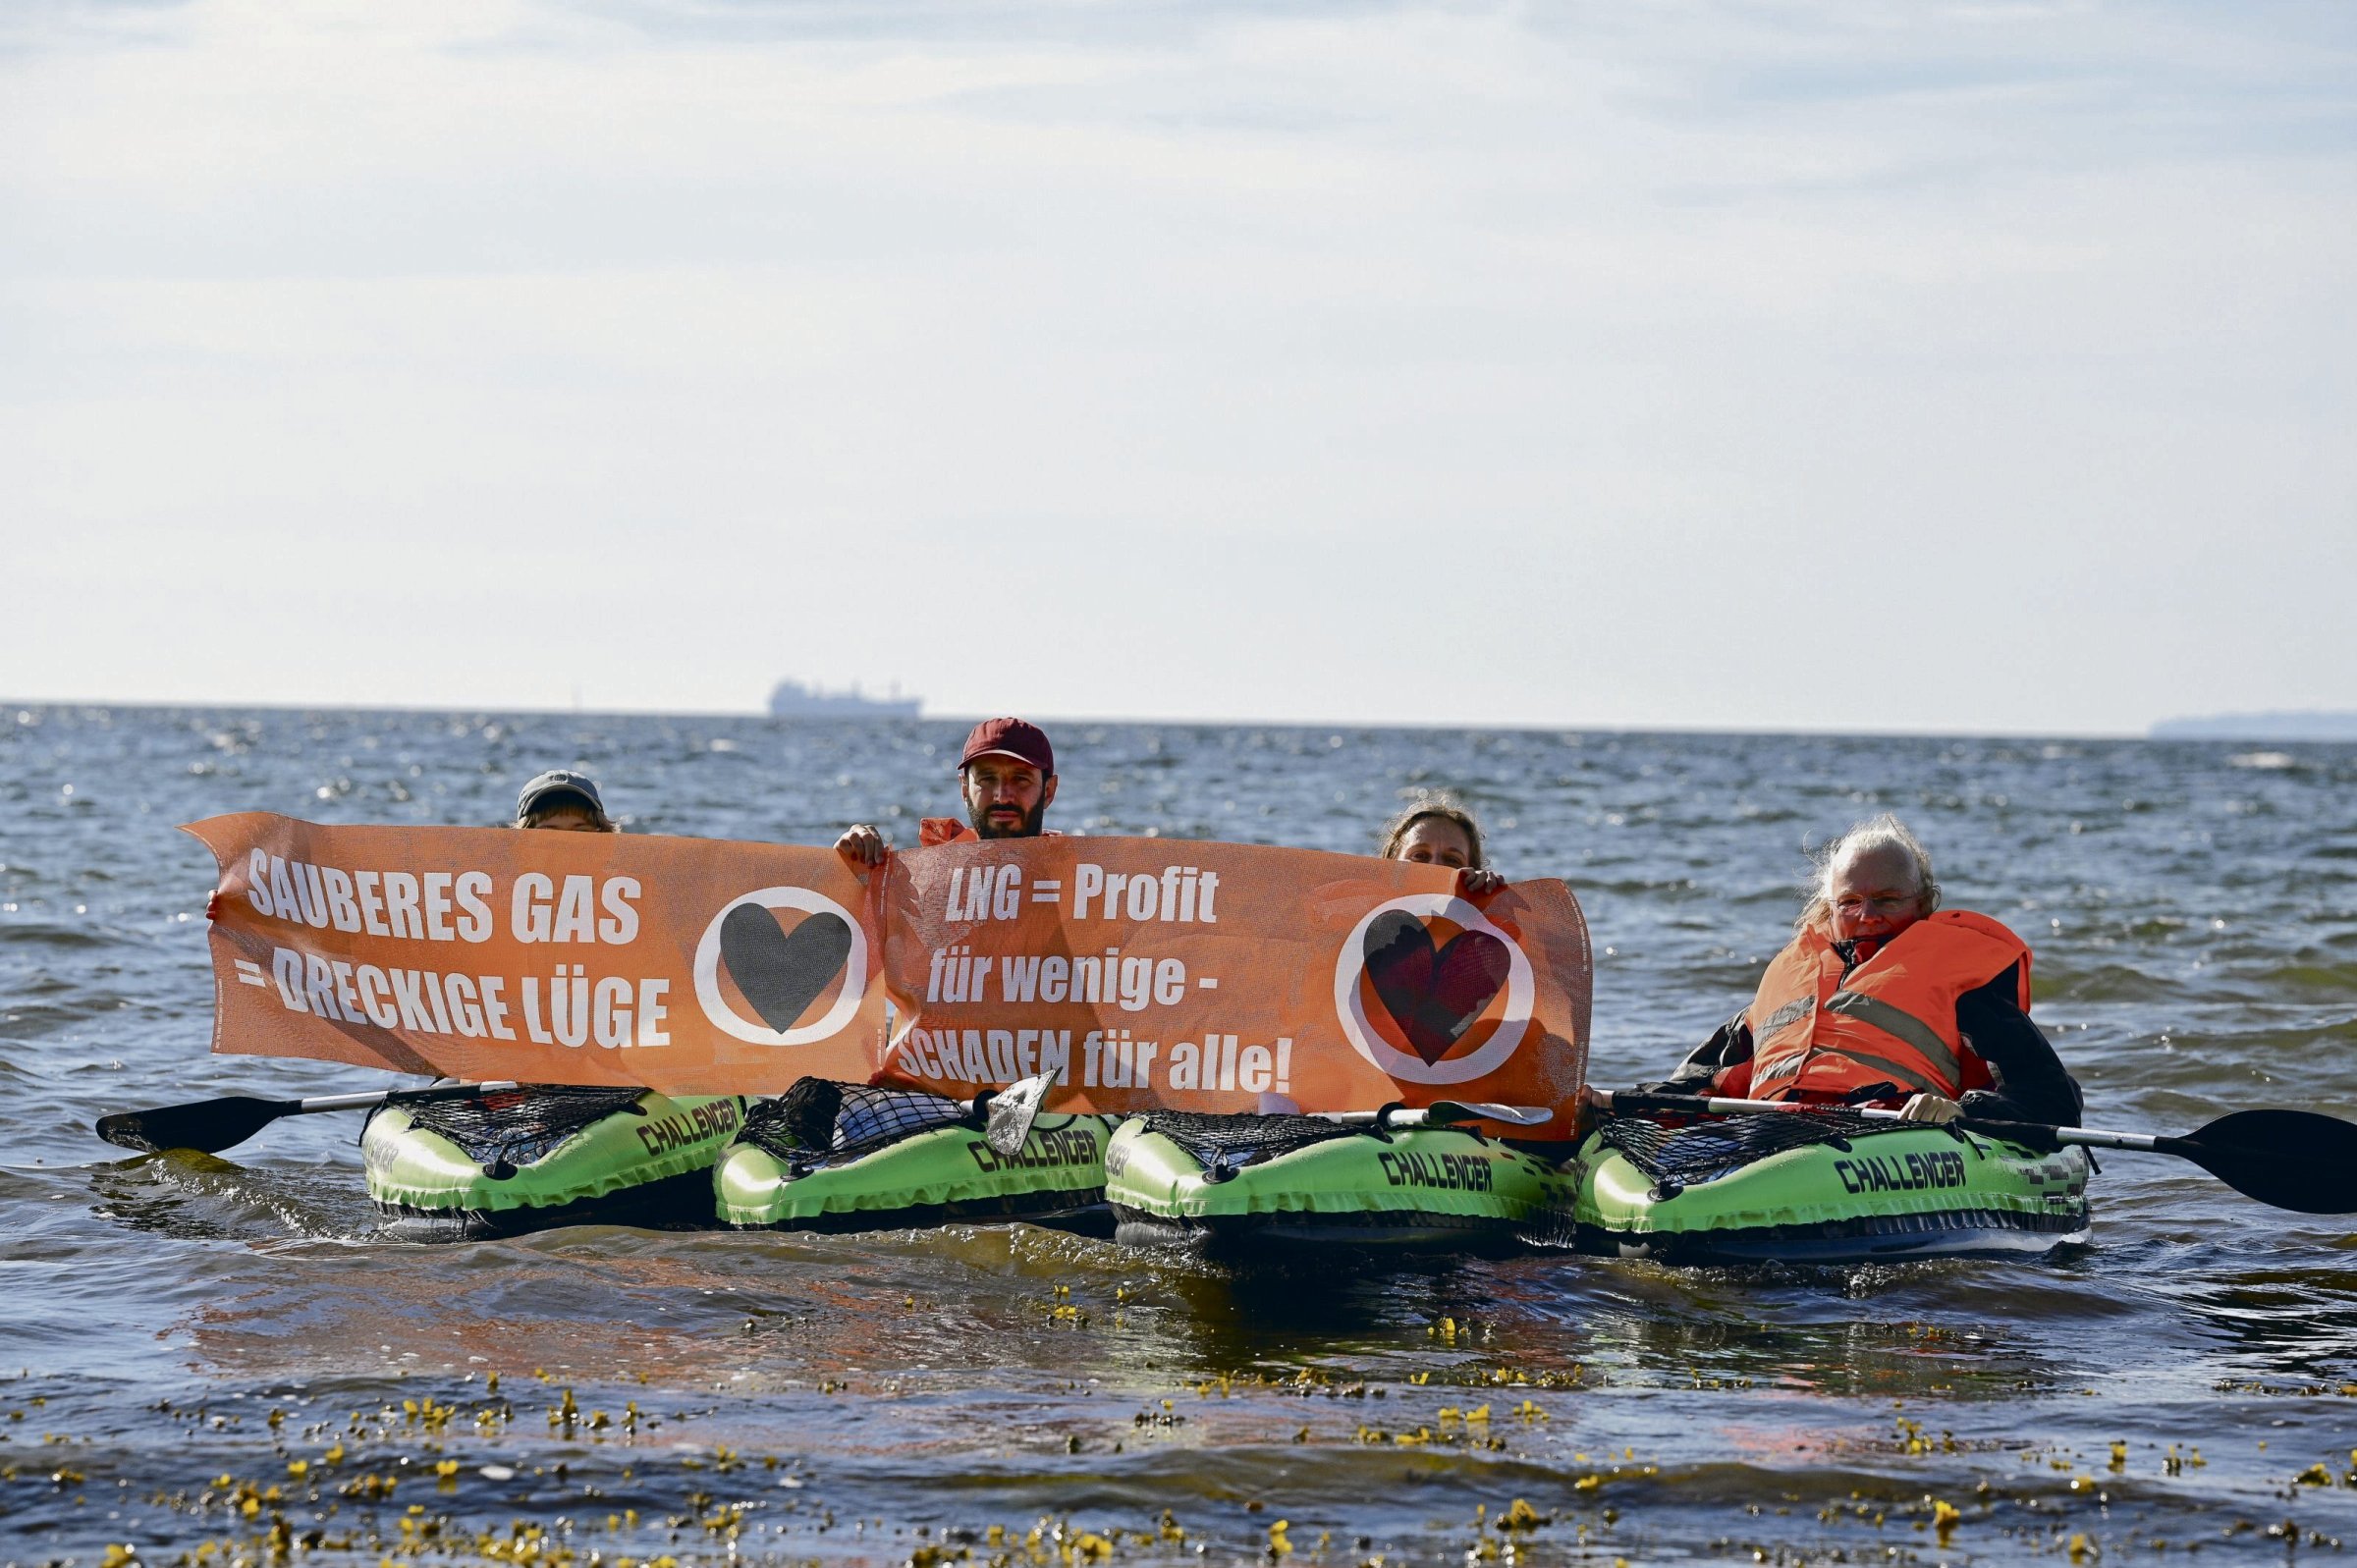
(2031, 1133)
(407, 1097)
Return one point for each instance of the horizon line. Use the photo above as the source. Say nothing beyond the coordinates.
(527, 710)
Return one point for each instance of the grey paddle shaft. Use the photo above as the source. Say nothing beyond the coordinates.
(2025, 1132)
(380, 1097)
(2033, 1133)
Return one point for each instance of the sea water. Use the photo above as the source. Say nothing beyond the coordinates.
(224, 1351)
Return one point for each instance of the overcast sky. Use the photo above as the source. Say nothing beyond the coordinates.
(1986, 367)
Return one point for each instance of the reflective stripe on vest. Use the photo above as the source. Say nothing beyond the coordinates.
(1906, 1025)
(1784, 1067)
(1791, 1012)
(1820, 1031)
(1905, 1077)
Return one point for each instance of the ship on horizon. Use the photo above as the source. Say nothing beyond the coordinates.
(791, 699)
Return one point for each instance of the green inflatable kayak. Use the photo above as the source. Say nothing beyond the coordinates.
(1245, 1182)
(830, 1156)
(545, 1155)
(1821, 1188)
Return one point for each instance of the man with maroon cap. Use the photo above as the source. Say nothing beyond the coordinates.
(1007, 775)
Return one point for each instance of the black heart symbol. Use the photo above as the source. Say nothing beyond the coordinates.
(779, 971)
(1434, 995)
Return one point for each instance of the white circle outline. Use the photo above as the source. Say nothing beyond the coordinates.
(1351, 963)
(725, 1017)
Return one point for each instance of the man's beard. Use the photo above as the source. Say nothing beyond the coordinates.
(1027, 827)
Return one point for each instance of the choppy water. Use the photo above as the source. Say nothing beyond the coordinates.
(881, 1399)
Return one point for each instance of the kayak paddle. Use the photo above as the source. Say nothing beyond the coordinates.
(210, 1126)
(2297, 1159)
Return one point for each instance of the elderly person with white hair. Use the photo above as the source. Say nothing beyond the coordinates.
(1883, 998)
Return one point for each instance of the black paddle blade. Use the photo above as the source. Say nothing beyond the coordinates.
(207, 1126)
(2296, 1159)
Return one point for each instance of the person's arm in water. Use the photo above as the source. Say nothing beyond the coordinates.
(2033, 1085)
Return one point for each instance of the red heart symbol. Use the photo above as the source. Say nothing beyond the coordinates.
(1433, 994)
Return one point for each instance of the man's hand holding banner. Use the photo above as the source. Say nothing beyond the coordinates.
(1143, 972)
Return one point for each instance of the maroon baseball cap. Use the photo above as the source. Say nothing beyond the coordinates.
(1009, 738)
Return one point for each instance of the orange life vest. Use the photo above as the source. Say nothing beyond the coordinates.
(1818, 1034)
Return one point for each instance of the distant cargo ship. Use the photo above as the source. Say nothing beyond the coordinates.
(793, 700)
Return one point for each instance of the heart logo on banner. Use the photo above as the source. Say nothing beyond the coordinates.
(1434, 994)
(782, 972)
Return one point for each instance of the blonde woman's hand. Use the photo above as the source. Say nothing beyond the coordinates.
(1478, 881)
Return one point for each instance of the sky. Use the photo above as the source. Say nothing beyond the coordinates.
(1979, 367)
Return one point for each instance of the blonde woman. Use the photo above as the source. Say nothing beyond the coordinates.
(1437, 831)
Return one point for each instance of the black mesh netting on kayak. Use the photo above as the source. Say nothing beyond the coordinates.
(1231, 1143)
(819, 1119)
(502, 1131)
(1686, 1157)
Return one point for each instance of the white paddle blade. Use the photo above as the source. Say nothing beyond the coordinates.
(1013, 1110)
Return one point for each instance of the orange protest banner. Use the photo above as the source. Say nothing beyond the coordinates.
(1217, 977)
(688, 965)
(1142, 972)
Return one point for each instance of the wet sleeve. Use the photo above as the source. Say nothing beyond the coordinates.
(1728, 1046)
(2033, 1085)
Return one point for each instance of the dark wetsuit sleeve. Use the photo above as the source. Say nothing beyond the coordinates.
(2036, 1088)
(1731, 1044)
